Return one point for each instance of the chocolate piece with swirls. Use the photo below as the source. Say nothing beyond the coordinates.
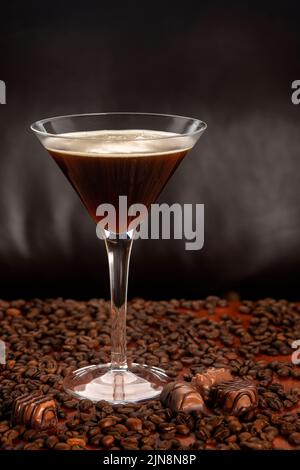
(235, 396)
(36, 410)
(182, 396)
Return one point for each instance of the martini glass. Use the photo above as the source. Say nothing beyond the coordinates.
(105, 156)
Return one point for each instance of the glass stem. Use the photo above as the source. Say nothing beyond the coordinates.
(118, 250)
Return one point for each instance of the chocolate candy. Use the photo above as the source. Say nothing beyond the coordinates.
(182, 396)
(235, 396)
(205, 380)
(36, 410)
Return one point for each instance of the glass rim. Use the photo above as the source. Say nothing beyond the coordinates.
(201, 125)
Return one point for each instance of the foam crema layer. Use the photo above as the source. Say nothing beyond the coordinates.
(138, 142)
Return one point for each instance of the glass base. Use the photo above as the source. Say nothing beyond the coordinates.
(137, 383)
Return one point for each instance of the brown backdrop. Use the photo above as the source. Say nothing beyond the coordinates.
(231, 66)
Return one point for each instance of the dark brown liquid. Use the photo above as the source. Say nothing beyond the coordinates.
(100, 180)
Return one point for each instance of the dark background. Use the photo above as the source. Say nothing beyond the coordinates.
(228, 63)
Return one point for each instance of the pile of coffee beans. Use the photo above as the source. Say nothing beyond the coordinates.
(46, 340)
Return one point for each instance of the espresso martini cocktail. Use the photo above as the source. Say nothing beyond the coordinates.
(105, 156)
(108, 164)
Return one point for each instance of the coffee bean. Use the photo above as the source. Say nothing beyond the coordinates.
(294, 438)
(31, 372)
(234, 424)
(51, 441)
(129, 443)
(270, 433)
(257, 445)
(134, 424)
(63, 437)
(31, 446)
(75, 441)
(164, 445)
(86, 416)
(167, 427)
(156, 419)
(296, 374)
(13, 312)
(203, 433)
(85, 405)
(95, 440)
(62, 446)
(29, 435)
(71, 404)
(93, 431)
(11, 434)
(244, 436)
(107, 441)
(244, 309)
(259, 425)
(3, 427)
(72, 422)
(149, 425)
(182, 429)
(283, 371)
(39, 442)
(106, 423)
(274, 403)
